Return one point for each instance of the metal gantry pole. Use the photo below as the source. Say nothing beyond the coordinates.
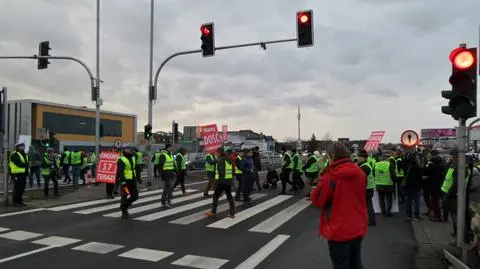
(3, 145)
(151, 96)
(98, 101)
(461, 181)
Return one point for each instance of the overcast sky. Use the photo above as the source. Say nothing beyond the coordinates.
(375, 65)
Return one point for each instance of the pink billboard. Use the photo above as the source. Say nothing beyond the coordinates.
(438, 133)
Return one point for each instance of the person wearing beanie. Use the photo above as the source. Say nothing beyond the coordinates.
(369, 183)
(223, 182)
(166, 166)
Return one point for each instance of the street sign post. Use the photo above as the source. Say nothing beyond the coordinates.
(409, 138)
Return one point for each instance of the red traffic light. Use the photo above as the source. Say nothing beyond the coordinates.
(205, 30)
(303, 17)
(462, 58)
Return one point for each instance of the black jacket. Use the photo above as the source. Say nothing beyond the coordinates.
(257, 162)
(435, 171)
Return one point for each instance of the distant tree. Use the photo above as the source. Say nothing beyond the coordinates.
(313, 144)
(327, 137)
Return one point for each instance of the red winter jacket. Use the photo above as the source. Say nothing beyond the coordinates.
(341, 195)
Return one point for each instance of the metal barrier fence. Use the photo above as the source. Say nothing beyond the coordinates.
(454, 262)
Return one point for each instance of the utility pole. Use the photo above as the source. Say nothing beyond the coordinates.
(98, 101)
(151, 96)
(299, 140)
(3, 145)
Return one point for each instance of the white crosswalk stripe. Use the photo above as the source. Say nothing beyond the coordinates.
(201, 215)
(247, 213)
(273, 210)
(115, 206)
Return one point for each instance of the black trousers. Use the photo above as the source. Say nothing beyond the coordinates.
(54, 179)
(285, 178)
(180, 180)
(257, 180)
(385, 199)
(66, 174)
(297, 180)
(370, 209)
(19, 183)
(109, 189)
(239, 179)
(127, 199)
(247, 187)
(219, 189)
(346, 255)
(138, 172)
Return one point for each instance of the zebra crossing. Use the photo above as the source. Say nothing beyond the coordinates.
(190, 209)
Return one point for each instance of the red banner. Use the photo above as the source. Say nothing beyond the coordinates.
(107, 167)
(211, 139)
(374, 140)
(225, 132)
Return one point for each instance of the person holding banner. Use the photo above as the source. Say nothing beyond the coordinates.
(127, 179)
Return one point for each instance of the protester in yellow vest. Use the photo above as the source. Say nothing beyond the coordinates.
(210, 162)
(65, 162)
(155, 161)
(450, 189)
(139, 164)
(223, 182)
(369, 183)
(238, 170)
(181, 170)
(287, 167)
(50, 170)
(311, 168)
(19, 170)
(297, 171)
(166, 168)
(127, 179)
(384, 174)
(76, 162)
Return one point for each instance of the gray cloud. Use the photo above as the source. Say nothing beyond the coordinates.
(391, 51)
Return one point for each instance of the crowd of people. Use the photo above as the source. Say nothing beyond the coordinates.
(345, 189)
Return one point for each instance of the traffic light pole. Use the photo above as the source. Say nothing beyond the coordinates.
(461, 183)
(3, 145)
(153, 88)
(36, 57)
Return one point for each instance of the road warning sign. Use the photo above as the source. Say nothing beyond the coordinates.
(409, 138)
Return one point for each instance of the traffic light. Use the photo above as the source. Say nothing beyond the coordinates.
(208, 39)
(463, 96)
(147, 133)
(175, 132)
(305, 28)
(43, 50)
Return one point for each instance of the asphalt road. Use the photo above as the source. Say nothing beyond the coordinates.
(278, 231)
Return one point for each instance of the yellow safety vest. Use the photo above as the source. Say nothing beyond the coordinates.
(209, 167)
(370, 177)
(237, 170)
(314, 167)
(76, 158)
(399, 170)
(183, 165)
(448, 181)
(14, 169)
(382, 174)
(168, 165)
(67, 157)
(46, 171)
(156, 159)
(299, 162)
(290, 166)
(228, 171)
(129, 170)
(139, 157)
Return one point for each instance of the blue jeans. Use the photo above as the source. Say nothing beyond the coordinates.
(167, 189)
(75, 175)
(413, 197)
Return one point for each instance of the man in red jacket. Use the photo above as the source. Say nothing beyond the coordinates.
(341, 195)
